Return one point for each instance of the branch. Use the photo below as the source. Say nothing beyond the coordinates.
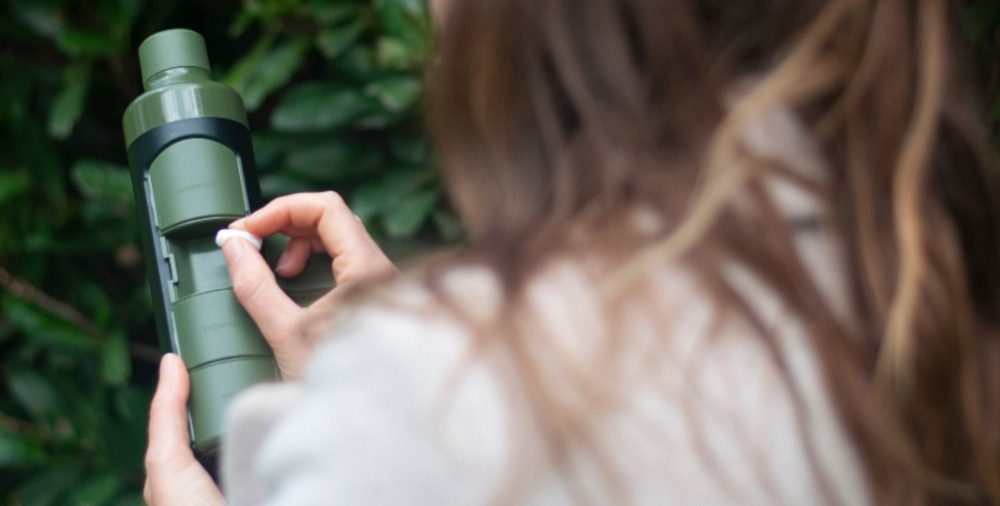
(24, 290)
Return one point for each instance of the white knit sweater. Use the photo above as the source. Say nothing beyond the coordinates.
(704, 416)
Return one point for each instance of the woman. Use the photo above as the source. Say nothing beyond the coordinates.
(720, 251)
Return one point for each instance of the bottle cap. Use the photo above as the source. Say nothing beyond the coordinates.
(171, 49)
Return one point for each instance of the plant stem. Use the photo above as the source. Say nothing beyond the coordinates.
(24, 290)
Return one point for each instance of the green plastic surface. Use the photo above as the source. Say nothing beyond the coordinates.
(193, 187)
(184, 99)
(176, 76)
(171, 49)
(196, 188)
(200, 267)
(213, 388)
(213, 326)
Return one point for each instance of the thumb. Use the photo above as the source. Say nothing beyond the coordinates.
(258, 291)
(173, 476)
(168, 430)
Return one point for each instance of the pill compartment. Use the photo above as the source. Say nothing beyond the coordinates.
(213, 389)
(214, 326)
(196, 186)
(200, 266)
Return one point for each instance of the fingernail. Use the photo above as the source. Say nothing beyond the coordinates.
(282, 260)
(166, 367)
(232, 250)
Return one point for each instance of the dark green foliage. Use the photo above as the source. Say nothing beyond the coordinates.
(334, 91)
(334, 88)
(980, 20)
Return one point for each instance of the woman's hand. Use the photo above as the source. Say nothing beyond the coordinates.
(173, 476)
(314, 222)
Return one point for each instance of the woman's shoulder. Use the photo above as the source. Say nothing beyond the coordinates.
(368, 406)
(401, 398)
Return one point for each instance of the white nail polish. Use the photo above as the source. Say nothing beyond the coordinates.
(227, 233)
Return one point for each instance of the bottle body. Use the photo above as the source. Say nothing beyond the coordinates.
(193, 173)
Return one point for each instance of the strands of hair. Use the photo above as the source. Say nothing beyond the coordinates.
(556, 119)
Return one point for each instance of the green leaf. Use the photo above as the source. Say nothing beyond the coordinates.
(271, 148)
(327, 13)
(413, 149)
(46, 487)
(132, 405)
(271, 12)
(978, 20)
(406, 25)
(44, 18)
(129, 10)
(130, 500)
(12, 185)
(377, 119)
(47, 173)
(34, 392)
(43, 329)
(15, 451)
(416, 9)
(102, 180)
(95, 302)
(359, 63)
(6, 331)
(68, 104)
(267, 148)
(405, 218)
(87, 43)
(397, 54)
(374, 198)
(276, 185)
(115, 364)
(99, 490)
(334, 40)
(243, 20)
(320, 106)
(406, 21)
(266, 69)
(396, 93)
(333, 161)
(124, 433)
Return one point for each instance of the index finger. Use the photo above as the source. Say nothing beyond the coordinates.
(325, 215)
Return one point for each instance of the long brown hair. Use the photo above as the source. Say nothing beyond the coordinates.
(554, 119)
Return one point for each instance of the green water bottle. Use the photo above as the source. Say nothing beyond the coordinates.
(193, 173)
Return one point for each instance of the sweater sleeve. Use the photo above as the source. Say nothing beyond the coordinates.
(398, 408)
(372, 422)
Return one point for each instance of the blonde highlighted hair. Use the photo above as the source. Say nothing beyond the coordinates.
(553, 117)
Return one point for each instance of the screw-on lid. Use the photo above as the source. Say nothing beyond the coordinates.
(171, 49)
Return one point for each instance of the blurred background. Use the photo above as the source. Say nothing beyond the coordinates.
(334, 90)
